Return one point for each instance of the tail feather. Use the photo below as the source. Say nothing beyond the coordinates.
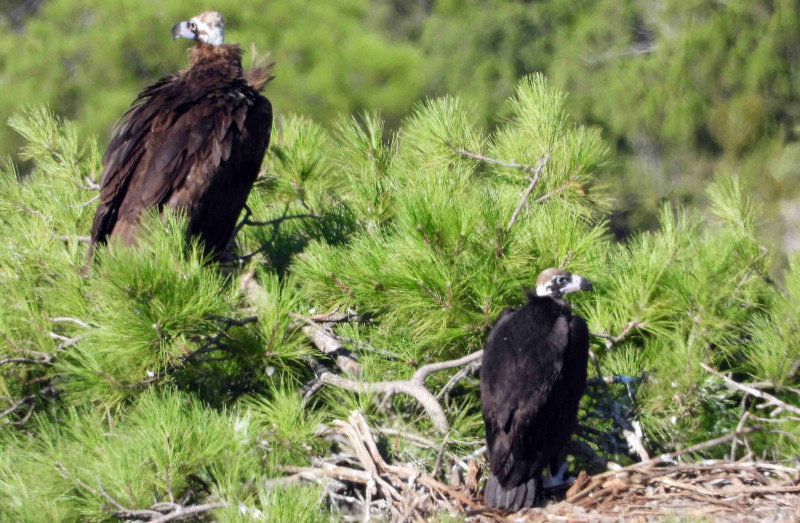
(513, 499)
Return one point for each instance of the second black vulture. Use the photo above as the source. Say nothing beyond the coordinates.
(193, 141)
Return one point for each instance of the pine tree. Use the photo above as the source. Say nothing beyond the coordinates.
(161, 379)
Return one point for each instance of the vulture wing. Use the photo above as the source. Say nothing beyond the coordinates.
(191, 148)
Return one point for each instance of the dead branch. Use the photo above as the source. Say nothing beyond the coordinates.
(318, 328)
(158, 513)
(47, 359)
(616, 379)
(275, 223)
(476, 156)
(439, 455)
(533, 175)
(613, 341)
(523, 201)
(212, 343)
(408, 436)
(336, 317)
(391, 388)
(16, 405)
(325, 340)
(91, 185)
(426, 370)
(769, 399)
(183, 512)
(76, 321)
(558, 190)
(462, 374)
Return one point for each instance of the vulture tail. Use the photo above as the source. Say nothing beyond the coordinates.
(513, 499)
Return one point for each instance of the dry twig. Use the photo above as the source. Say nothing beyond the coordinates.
(408, 494)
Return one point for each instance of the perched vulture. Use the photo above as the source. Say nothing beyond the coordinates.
(532, 379)
(192, 141)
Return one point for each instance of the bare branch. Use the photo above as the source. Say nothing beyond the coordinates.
(558, 190)
(613, 341)
(183, 512)
(43, 361)
(617, 378)
(71, 320)
(525, 195)
(477, 156)
(440, 455)
(771, 401)
(409, 436)
(87, 202)
(409, 388)
(414, 387)
(666, 458)
(323, 338)
(256, 223)
(462, 374)
(17, 404)
(426, 370)
(91, 184)
(70, 238)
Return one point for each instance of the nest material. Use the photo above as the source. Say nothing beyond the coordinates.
(364, 487)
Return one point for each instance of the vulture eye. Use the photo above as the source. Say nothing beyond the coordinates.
(192, 26)
(561, 280)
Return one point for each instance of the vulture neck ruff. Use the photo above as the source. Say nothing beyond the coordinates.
(220, 60)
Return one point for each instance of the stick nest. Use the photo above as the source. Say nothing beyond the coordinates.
(362, 486)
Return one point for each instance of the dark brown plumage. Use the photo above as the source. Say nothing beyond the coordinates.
(532, 379)
(192, 141)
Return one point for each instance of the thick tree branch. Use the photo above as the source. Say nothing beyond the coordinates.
(327, 342)
(426, 370)
(414, 387)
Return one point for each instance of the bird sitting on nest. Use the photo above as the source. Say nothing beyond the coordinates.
(532, 378)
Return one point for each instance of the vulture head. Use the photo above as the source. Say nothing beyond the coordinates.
(208, 28)
(555, 283)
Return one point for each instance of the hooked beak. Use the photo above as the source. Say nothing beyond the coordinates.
(577, 283)
(182, 30)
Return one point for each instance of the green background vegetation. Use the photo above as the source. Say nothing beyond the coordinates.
(692, 103)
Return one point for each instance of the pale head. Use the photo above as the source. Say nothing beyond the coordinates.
(557, 282)
(208, 28)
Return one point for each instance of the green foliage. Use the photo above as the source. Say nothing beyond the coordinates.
(158, 374)
(169, 446)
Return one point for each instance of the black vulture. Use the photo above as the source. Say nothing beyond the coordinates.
(532, 379)
(193, 141)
